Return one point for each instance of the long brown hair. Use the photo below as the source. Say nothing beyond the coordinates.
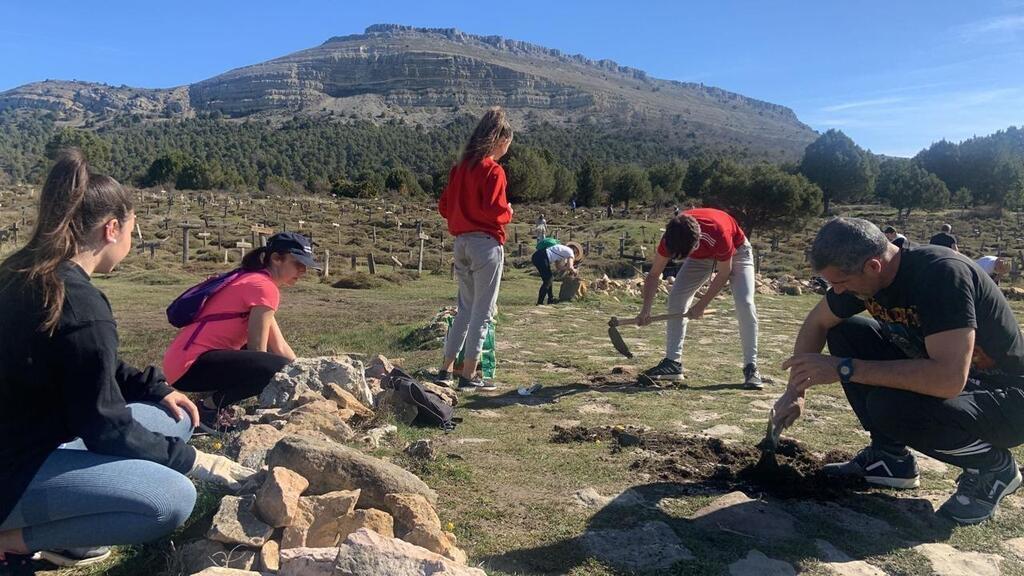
(493, 128)
(74, 201)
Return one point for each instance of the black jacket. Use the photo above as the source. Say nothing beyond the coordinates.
(70, 385)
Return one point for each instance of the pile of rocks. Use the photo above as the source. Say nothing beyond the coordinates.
(787, 285)
(632, 287)
(320, 506)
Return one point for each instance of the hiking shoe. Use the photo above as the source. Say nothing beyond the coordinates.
(466, 384)
(17, 565)
(752, 378)
(216, 420)
(878, 467)
(444, 378)
(665, 370)
(76, 556)
(978, 493)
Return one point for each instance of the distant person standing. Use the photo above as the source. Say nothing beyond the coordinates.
(572, 205)
(945, 238)
(541, 229)
(477, 211)
(894, 236)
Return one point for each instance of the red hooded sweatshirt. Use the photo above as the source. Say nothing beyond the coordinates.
(474, 200)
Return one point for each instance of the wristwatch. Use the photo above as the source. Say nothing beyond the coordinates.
(845, 370)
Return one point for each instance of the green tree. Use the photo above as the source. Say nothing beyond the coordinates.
(765, 197)
(165, 169)
(565, 184)
(839, 167)
(96, 149)
(669, 177)
(530, 176)
(403, 181)
(630, 184)
(905, 186)
(589, 182)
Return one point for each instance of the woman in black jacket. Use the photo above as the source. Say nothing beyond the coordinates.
(94, 452)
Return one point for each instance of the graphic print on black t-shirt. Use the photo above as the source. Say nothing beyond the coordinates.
(936, 290)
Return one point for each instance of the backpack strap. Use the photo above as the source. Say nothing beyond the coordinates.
(212, 318)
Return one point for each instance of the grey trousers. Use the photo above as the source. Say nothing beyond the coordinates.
(478, 263)
(692, 275)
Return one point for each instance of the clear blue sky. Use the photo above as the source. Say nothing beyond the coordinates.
(894, 75)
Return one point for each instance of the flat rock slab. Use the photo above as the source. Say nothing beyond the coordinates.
(591, 498)
(837, 562)
(649, 546)
(757, 564)
(723, 430)
(948, 561)
(738, 513)
(704, 416)
(236, 523)
(843, 518)
(596, 409)
(1016, 547)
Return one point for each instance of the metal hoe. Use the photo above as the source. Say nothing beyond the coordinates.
(616, 338)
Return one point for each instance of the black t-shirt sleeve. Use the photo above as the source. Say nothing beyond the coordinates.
(844, 305)
(946, 298)
(94, 408)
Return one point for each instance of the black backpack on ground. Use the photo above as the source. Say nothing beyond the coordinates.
(431, 409)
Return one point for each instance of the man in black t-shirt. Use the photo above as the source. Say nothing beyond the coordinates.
(938, 366)
(945, 238)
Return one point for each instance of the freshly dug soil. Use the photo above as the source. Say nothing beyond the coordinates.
(700, 459)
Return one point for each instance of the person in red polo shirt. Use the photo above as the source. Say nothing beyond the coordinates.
(709, 241)
(475, 206)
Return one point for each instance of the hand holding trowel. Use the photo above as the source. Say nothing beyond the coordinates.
(790, 409)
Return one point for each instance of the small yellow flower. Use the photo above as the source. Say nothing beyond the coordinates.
(597, 441)
(450, 527)
(217, 445)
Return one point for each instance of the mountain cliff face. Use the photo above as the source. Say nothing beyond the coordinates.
(427, 76)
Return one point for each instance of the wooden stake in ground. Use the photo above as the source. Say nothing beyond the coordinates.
(327, 263)
(419, 267)
(185, 227)
(243, 247)
(371, 264)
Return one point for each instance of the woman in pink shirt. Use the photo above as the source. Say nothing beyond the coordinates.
(236, 357)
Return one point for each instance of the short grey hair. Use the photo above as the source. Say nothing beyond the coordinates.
(846, 244)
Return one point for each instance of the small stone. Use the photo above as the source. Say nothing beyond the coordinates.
(375, 436)
(270, 556)
(757, 564)
(307, 397)
(345, 400)
(277, 501)
(422, 449)
(372, 519)
(235, 523)
(837, 562)
(378, 367)
(317, 523)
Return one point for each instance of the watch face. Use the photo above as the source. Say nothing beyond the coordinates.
(845, 370)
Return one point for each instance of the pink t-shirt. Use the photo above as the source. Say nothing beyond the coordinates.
(247, 291)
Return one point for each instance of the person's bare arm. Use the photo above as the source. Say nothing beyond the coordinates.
(651, 283)
(261, 318)
(809, 340)
(277, 344)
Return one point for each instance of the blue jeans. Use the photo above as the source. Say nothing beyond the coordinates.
(82, 499)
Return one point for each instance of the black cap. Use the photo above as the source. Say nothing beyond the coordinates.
(889, 230)
(295, 244)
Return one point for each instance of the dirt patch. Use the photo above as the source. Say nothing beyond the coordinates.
(692, 459)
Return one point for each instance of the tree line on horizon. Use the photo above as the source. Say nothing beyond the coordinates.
(591, 166)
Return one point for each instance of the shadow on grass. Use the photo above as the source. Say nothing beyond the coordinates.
(615, 534)
(551, 394)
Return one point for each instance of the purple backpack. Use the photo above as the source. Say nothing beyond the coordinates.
(186, 308)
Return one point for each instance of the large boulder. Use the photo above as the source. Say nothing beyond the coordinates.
(366, 553)
(330, 467)
(277, 501)
(313, 374)
(235, 523)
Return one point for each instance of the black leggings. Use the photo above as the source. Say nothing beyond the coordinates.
(232, 375)
(972, 430)
(540, 260)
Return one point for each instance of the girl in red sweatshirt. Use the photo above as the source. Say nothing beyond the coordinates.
(475, 206)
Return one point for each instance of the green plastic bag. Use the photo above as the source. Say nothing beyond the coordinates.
(488, 360)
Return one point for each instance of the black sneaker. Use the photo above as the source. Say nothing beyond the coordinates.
(665, 370)
(216, 420)
(466, 384)
(752, 378)
(878, 467)
(17, 565)
(443, 378)
(488, 385)
(978, 493)
(72, 557)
